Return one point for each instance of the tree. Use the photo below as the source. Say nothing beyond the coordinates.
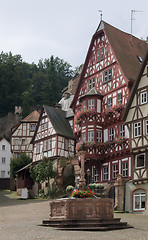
(43, 171)
(18, 163)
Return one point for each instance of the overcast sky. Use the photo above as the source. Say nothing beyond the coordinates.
(37, 29)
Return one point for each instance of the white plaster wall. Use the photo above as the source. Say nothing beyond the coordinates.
(7, 155)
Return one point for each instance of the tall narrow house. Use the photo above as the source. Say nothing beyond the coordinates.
(136, 119)
(112, 64)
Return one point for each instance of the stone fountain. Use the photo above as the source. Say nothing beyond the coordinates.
(93, 214)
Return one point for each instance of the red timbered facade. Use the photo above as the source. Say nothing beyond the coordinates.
(110, 68)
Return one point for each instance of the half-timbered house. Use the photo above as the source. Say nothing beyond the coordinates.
(22, 134)
(136, 119)
(53, 136)
(112, 64)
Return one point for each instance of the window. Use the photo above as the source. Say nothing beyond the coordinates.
(119, 98)
(23, 141)
(2, 174)
(3, 147)
(137, 129)
(3, 160)
(122, 130)
(32, 127)
(146, 126)
(66, 145)
(105, 173)
(16, 141)
(140, 160)
(124, 169)
(49, 144)
(91, 83)
(115, 170)
(45, 145)
(102, 53)
(143, 97)
(109, 102)
(111, 134)
(91, 104)
(91, 136)
(99, 136)
(139, 200)
(84, 105)
(96, 175)
(16, 155)
(97, 55)
(107, 75)
(84, 137)
(38, 148)
(46, 125)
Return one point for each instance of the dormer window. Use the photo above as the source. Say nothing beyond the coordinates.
(91, 104)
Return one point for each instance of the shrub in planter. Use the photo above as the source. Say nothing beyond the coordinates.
(69, 189)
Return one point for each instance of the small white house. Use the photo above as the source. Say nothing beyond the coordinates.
(5, 156)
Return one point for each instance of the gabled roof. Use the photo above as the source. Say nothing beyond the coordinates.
(59, 121)
(32, 117)
(125, 48)
(135, 86)
(92, 92)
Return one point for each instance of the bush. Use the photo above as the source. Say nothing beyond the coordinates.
(53, 190)
(97, 187)
(69, 188)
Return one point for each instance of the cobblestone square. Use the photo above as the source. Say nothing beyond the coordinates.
(20, 220)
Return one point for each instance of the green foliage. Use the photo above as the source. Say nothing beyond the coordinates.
(42, 171)
(18, 163)
(53, 190)
(97, 187)
(69, 188)
(29, 85)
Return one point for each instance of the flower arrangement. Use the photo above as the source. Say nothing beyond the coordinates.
(121, 140)
(118, 108)
(86, 145)
(102, 147)
(110, 111)
(82, 193)
(108, 144)
(83, 114)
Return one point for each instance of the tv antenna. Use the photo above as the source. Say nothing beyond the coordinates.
(100, 11)
(132, 19)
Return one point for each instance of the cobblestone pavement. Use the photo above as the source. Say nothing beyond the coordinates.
(20, 219)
